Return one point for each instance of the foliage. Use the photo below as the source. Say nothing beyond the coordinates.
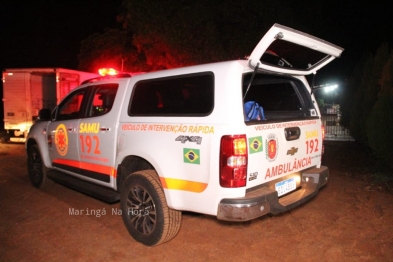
(371, 103)
(94, 49)
(160, 34)
(386, 80)
(366, 83)
(349, 107)
(380, 122)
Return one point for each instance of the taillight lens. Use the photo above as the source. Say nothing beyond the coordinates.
(233, 161)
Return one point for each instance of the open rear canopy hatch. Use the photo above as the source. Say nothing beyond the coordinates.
(285, 50)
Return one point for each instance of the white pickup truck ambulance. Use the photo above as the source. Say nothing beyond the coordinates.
(236, 140)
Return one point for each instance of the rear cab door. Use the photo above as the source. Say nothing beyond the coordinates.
(286, 139)
(97, 134)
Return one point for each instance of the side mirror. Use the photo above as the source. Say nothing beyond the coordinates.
(44, 114)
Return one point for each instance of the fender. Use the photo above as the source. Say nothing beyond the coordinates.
(37, 135)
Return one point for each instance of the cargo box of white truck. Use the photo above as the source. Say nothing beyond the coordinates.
(27, 90)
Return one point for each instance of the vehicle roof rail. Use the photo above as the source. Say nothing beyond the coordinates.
(95, 79)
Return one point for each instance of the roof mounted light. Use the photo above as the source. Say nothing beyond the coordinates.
(107, 71)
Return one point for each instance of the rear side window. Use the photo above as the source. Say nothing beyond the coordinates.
(280, 97)
(185, 95)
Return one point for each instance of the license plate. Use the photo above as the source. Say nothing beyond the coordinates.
(285, 186)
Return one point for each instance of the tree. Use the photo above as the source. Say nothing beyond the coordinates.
(159, 34)
(380, 122)
(95, 52)
(109, 49)
(357, 112)
(367, 86)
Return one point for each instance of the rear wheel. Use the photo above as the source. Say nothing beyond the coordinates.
(36, 168)
(145, 212)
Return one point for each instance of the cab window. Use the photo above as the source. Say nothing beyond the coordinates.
(71, 107)
(103, 99)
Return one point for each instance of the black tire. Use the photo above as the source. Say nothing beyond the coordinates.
(145, 212)
(38, 173)
(4, 138)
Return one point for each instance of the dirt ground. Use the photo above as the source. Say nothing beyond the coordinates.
(349, 220)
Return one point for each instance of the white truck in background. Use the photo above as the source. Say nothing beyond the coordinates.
(27, 90)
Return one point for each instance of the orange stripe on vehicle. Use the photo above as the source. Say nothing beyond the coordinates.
(106, 170)
(180, 184)
(67, 162)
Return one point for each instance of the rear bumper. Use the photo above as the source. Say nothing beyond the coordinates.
(265, 200)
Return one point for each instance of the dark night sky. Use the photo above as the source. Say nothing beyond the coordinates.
(47, 33)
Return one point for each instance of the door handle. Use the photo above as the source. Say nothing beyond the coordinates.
(104, 129)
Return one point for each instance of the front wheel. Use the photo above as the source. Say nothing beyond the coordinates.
(38, 173)
(145, 212)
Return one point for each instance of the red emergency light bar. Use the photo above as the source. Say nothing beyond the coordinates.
(107, 71)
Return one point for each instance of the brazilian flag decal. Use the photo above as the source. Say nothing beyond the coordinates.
(255, 144)
(191, 156)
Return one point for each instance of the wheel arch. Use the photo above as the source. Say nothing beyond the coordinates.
(129, 165)
(42, 148)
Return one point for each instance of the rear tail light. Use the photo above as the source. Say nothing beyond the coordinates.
(233, 161)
